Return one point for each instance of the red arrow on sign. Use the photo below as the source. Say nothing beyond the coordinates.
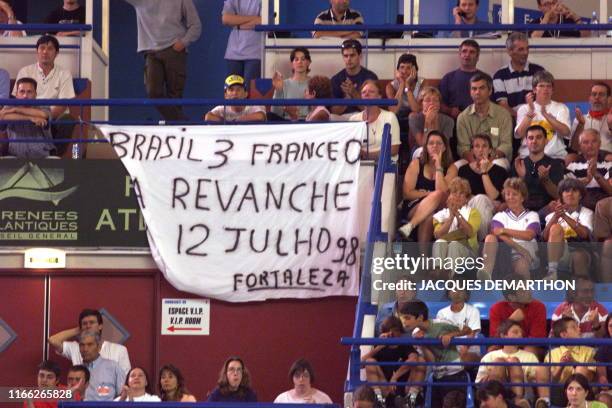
(173, 329)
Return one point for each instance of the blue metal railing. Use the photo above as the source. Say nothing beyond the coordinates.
(119, 404)
(46, 27)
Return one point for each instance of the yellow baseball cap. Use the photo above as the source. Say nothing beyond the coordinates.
(234, 80)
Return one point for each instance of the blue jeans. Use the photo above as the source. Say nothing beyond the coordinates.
(248, 69)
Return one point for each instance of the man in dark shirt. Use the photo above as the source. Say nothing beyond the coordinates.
(555, 12)
(540, 172)
(71, 12)
(346, 83)
(455, 85)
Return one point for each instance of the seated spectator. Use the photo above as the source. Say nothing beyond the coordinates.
(89, 320)
(7, 16)
(455, 226)
(172, 385)
(455, 85)
(392, 308)
(580, 304)
(236, 89)
(599, 117)
(465, 13)
(234, 384)
(508, 329)
(71, 12)
(376, 119)
(391, 327)
(428, 117)
(347, 83)
(592, 167)
(406, 86)
(460, 313)
(564, 328)
(519, 305)
(604, 354)
(483, 116)
(579, 393)
(39, 128)
(540, 172)
(5, 84)
(48, 378)
(77, 380)
(106, 377)
(294, 87)
(602, 232)
(568, 228)
(137, 387)
(426, 187)
(514, 81)
(541, 110)
(415, 315)
(493, 394)
(486, 181)
(364, 397)
(302, 376)
(555, 12)
(339, 13)
(517, 229)
(319, 87)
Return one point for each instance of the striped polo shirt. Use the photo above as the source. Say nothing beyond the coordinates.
(512, 86)
(578, 169)
(350, 16)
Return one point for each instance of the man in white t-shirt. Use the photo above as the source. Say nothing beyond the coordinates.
(235, 89)
(541, 110)
(89, 320)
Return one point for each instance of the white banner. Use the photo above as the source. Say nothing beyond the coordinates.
(254, 212)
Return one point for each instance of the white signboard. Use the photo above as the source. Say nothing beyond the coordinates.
(254, 212)
(185, 317)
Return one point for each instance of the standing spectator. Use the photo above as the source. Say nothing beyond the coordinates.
(508, 329)
(455, 85)
(294, 87)
(580, 304)
(427, 118)
(484, 116)
(5, 84)
(71, 12)
(89, 320)
(592, 167)
(406, 86)
(7, 16)
(376, 119)
(339, 13)
(599, 117)
(568, 229)
(234, 384)
(243, 52)
(302, 375)
(555, 12)
(540, 172)
(235, 88)
(564, 328)
(465, 13)
(166, 29)
(347, 83)
(514, 81)
(137, 387)
(172, 385)
(519, 305)
(541, 110)
(426, 187)
(319, 87)
(38, 128)
(516, 228)
(486, 181)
